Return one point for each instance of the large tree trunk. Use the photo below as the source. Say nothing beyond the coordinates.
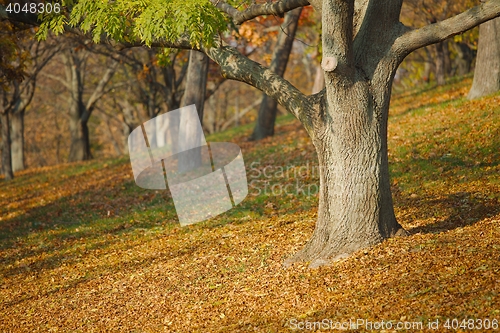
(269, 106)
(79, 132)
(487, 73)
(355, 207)
(17, 140)
(6, 148)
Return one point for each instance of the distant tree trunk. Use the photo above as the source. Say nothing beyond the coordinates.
(189, 131)
(269, 107)
(16, 117)
(6, 148)
(464, 58)
(79, 132)
(17, 140)
(428, 65)
(440, 64)
(447, 59)
(79, 111)
(487, 73)
(80, 140)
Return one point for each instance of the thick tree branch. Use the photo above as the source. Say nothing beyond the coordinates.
(277, 8)
(238, 67)
(434, 33)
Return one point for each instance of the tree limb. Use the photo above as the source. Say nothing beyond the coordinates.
(277, 8)
(238, 67)
(57, 78)
(434, 33)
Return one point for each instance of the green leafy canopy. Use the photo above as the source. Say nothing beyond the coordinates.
(139, 20)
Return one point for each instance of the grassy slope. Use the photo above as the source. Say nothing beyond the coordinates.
(84, 249)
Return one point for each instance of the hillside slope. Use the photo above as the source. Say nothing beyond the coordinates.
(85, 250)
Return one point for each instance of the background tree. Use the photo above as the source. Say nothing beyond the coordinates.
(487, 73)
(440, 60)
(153, 85)
(80, 107)
(40, 55)
(266, 118)
(12, 71)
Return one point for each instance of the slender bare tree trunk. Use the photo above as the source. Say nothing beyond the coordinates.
(269, 107)
(487, 73)
(440, 64)
(428, 65)
(464, 58)
(17, 140)
(6, 147)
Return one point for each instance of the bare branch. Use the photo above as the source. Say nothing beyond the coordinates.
(233, 119)
(277, 8)
(99, 91)
(434, 33)
(57, 78)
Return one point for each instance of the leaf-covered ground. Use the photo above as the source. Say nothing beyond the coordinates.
(85, 250)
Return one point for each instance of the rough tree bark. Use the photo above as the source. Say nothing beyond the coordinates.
(264, 126)
(487, 73)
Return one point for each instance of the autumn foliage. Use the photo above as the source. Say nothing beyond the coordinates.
(84, 249)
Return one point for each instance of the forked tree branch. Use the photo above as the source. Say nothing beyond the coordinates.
(277, 8)
(434, 33)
